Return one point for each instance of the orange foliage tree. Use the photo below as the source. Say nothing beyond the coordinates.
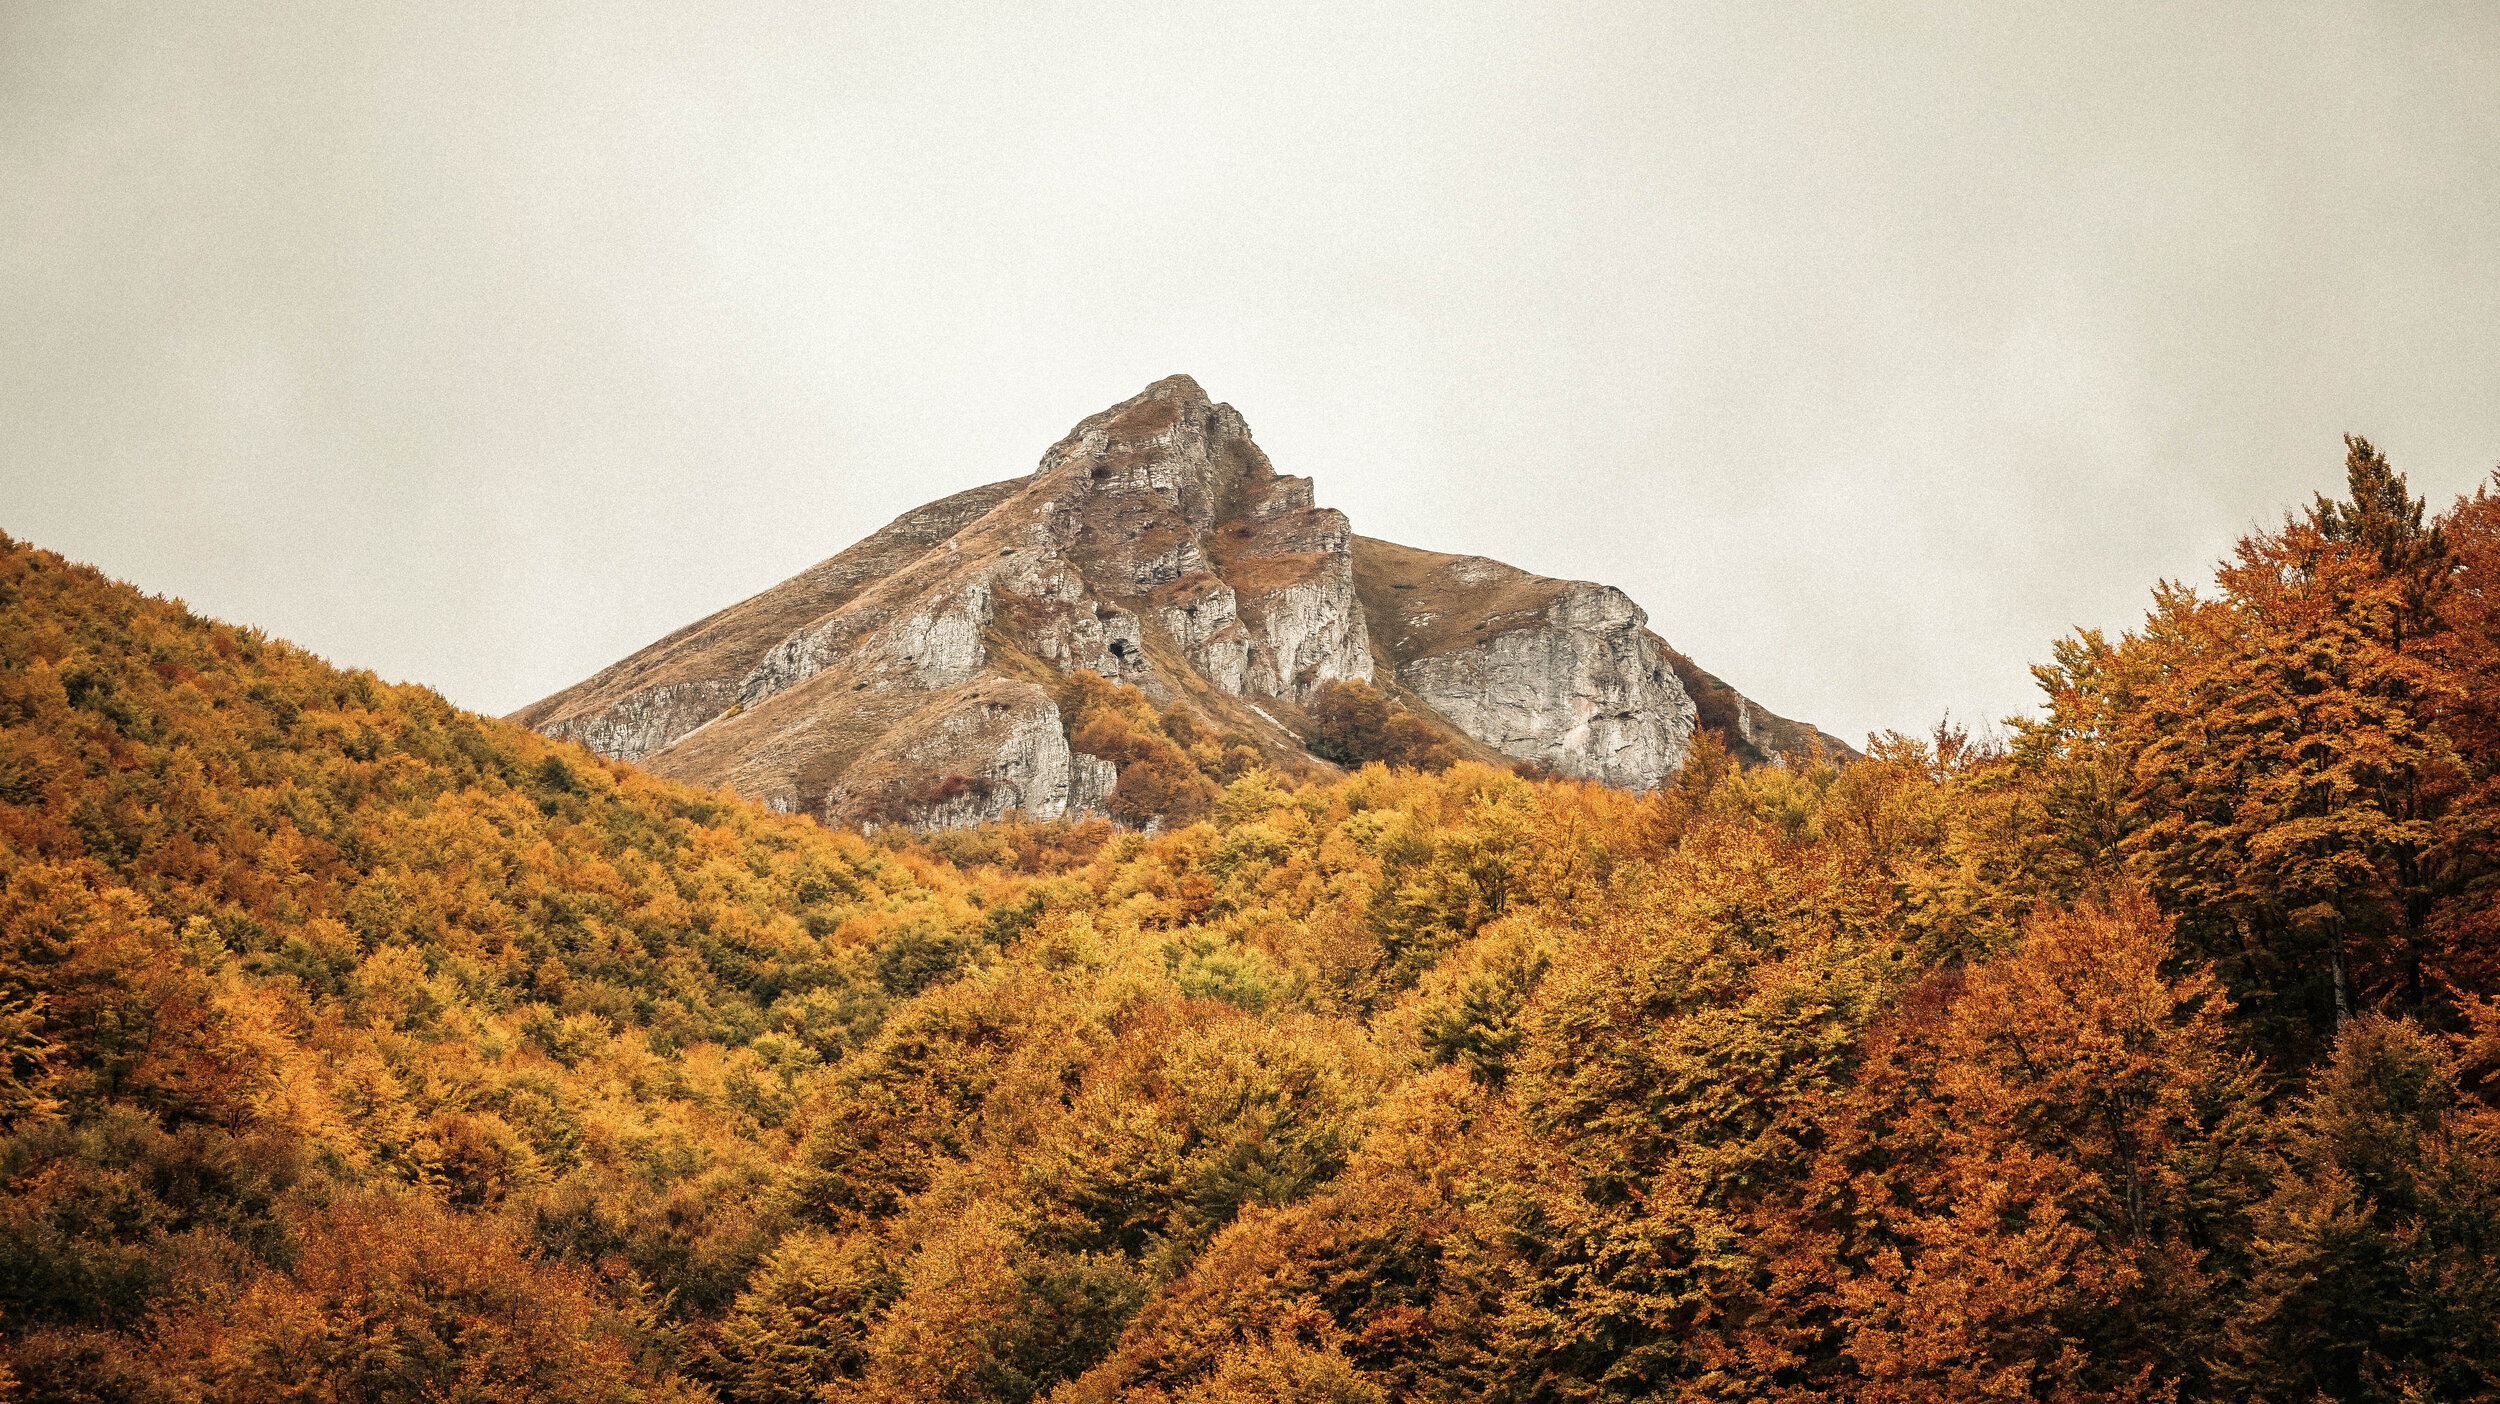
(355, 1047)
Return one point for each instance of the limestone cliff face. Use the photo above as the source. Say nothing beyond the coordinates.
(1582, 688)
(1561, 673)
(910, 678)
(646, 720)
(971, 755)
(1173, 507)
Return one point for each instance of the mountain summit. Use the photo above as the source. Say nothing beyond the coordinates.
(922, 675)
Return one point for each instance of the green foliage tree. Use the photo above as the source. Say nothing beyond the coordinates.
(2376, 1262)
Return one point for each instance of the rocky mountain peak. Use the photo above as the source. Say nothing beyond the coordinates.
(915, 675)
(1171, 445)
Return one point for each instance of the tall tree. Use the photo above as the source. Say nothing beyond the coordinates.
(2376, 1272)
(2278, 745)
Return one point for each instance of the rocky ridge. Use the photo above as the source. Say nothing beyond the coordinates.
(911, 678)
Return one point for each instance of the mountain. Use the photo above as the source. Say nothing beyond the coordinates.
(353, 1047)
(921, 675)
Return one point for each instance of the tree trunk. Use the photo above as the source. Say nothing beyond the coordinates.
(2343, 999)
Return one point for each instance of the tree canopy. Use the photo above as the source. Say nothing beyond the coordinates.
(356, 1047)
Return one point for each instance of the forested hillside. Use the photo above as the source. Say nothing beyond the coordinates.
(359, 1048)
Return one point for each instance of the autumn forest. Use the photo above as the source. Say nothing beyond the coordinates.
(354, 1047)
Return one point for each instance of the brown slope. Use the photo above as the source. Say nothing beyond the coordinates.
(1424, 603)
(1753, 735)
(710, 655)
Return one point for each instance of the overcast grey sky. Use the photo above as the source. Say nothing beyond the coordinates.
(1868, 347)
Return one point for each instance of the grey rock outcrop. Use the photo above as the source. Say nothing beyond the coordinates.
(972, 755)
(646, 721)
(1582, 689)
